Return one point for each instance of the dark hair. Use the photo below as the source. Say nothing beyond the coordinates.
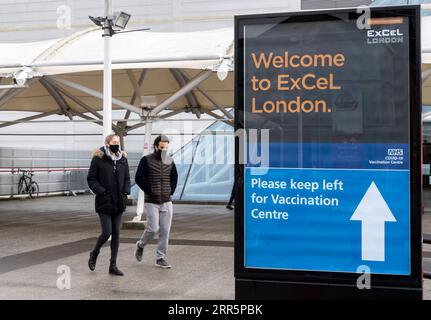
(161, 138)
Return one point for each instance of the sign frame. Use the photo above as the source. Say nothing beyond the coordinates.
(270, 283)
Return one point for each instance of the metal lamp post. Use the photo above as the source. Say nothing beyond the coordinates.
(107, 23)
(107, 71)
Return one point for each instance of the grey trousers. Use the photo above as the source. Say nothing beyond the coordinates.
(159, 218)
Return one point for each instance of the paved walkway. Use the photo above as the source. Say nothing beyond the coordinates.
(38, 236)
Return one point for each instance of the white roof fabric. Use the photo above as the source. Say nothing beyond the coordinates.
(21, 53)
(426, 39)
(426, 58)
(176, 50)
(79, 58)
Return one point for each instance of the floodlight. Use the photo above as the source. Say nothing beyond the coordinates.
(122, 20)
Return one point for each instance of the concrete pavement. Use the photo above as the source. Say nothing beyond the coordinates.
(39, 236)
(43, 236)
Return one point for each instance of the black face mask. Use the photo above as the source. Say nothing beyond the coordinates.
(114, 148)
(161, 152)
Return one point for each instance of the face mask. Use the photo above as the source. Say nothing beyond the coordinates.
(162, 152)
(114, 148)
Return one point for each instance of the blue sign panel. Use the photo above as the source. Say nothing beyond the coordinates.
(327, 220)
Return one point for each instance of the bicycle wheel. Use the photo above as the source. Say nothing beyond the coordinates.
(33, 190)
(21, 185)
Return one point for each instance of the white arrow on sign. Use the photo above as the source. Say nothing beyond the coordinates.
(373, 211)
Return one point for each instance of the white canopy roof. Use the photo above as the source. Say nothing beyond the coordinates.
(426, 39)
(426, 60)
(23, 53)
(83, 51)
(67, 73)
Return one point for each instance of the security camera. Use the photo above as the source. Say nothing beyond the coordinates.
(223, 69)
(21, 77)
(20, 81)
(98, 21)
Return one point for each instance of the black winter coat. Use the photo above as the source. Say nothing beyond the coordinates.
(157, 178)
(110, 182)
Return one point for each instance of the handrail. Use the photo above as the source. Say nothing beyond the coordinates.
(44, 169)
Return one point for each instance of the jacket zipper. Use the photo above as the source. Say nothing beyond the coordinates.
(119, 198)
(161, 180)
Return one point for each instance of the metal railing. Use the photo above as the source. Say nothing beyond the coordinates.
(66, 180)
(70, 181)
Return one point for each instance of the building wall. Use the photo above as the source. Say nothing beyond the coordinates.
(33, 20)
(28, 20)
(326, 4)
(77, 136)
(54, 170)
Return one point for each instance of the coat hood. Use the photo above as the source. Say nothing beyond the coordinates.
(100, 153)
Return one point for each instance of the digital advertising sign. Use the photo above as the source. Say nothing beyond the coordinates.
(328, 162)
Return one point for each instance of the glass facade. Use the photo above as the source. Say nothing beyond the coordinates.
(206, 165)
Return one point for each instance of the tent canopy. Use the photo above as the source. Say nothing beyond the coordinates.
(134, 50)
(177, 70)
(426, 59)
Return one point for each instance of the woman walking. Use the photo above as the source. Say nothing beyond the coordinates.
(109, 179)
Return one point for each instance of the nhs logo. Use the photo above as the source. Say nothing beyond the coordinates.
(395, 152)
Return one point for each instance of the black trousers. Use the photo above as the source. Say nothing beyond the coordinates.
(232, 195)
(110, 227)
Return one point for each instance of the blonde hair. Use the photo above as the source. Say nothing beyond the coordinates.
(109, 137)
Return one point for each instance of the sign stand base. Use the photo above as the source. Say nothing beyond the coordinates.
(247, 289)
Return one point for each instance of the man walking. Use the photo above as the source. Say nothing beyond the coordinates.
(157, 176)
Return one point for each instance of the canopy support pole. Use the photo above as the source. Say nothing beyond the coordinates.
(147, 144)
(164, 116)
(190, 96)
(204, 75)
(107, 71)
(85, 117)
(96, 94)
(62, 104)
(10, 93)
(426, 75)
(79, 102)
(37, 116)
(84, 106)
(137, 93)
(210, 99)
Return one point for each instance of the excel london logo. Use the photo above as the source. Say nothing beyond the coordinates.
(385, 30)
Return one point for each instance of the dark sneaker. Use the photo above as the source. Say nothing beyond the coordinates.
(115, 271)
(92, 261)
(139, 252)
(162, 263)
(230, 207)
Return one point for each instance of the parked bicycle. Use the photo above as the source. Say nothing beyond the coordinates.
(27, 185)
